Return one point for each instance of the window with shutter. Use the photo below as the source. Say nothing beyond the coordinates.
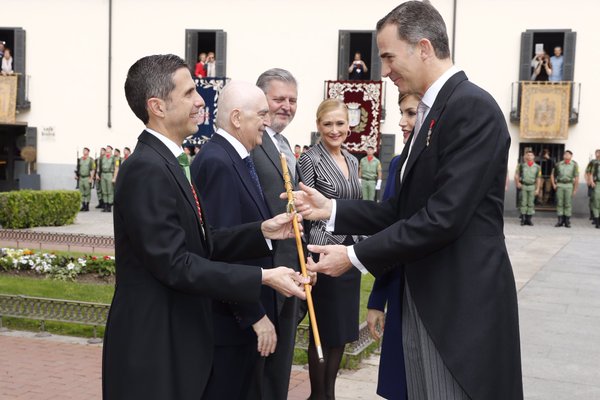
(14, 39)
(363, 42)
(534, 41)
(205, 41)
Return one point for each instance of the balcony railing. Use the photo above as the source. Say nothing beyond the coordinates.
(574, 101)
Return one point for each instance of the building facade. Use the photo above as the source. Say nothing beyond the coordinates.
(77, 55)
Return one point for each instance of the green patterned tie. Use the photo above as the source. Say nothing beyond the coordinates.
(184, 161)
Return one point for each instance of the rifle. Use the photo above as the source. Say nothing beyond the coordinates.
(95, 172)
(98, 174)
(77, 174)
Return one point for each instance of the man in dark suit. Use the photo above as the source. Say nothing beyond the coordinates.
(281, 90)
(231, 195)
(445, 225)
(159, 335)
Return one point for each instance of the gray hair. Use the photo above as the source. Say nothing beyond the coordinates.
(149, 77)
(275, 74)
(418, 20)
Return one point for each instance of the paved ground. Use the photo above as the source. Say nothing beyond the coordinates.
(557, 271)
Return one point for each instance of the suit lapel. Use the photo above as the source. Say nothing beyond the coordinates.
(173, 166)
(272, 153)
(401, 162)
(433, 115)
(242, 170)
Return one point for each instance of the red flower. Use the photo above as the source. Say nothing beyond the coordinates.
(107, 257)
(94, 258)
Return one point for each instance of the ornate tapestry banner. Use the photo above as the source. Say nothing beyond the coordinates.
(8, 98)
(363, 99)
(545, 110)
(209, 89)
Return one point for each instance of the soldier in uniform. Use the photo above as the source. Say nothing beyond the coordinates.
(565, 179)
(117, 155)
(592, 176)
(528, 178)
(369, 173)
(107, 180)
(547, 164)
(117, 160)
(126, 153)
(97, 175)
(85, 171)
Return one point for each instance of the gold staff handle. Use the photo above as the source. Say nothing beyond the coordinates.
(291, 208)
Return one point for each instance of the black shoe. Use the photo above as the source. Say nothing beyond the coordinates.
(87, 207)
(591, 216)
(523, 221)
(105, 207)
(100, 204)
(560, 222)
(82, 207)
(528, 221)
(597, 222)
(567, 222)
(108, 207)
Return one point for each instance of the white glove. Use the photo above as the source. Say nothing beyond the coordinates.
(359, 181)
(378, 185)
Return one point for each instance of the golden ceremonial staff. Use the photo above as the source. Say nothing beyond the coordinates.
(291, 208)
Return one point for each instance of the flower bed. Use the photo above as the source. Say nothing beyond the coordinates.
(62, 267)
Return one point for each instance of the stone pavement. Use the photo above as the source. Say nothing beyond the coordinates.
(51, 368)
(557, 271)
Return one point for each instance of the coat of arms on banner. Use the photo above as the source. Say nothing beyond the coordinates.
(209, 89)
(545, 110)
(363, 99)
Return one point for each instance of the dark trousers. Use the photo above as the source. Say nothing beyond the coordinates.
(278, 366)
(236, 373)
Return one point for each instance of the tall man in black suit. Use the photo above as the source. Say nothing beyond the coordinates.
(281, 90)
(445, 225)
(231, 195)
(159, 335)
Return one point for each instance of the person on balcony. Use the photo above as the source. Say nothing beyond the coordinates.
(557, 65)
(7, 63)
(542, 67)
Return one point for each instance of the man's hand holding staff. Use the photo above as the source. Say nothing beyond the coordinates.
(291, 208)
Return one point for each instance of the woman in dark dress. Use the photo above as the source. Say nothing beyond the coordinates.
(387, 290)
(333, 172)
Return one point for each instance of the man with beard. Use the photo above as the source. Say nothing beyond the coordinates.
(281, 90)
(460, 325)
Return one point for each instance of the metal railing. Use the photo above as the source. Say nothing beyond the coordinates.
(71, 239)
(355, 349)
(44, 309)
(574, 102)
(96, 314)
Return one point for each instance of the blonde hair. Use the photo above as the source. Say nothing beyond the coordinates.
(328, 105)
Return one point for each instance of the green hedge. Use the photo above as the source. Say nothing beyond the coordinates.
(29, 208)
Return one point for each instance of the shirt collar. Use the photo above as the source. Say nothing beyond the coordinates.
(171, 145)
(237, 145)
(431, 93)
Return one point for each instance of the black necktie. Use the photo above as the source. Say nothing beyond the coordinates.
(253, 175)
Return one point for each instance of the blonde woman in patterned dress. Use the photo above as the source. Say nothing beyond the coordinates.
(333, 171)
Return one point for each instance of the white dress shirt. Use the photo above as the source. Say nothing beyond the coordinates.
(428, 99)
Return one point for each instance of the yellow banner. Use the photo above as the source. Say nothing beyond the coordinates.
(8, 99)
(545, 110)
